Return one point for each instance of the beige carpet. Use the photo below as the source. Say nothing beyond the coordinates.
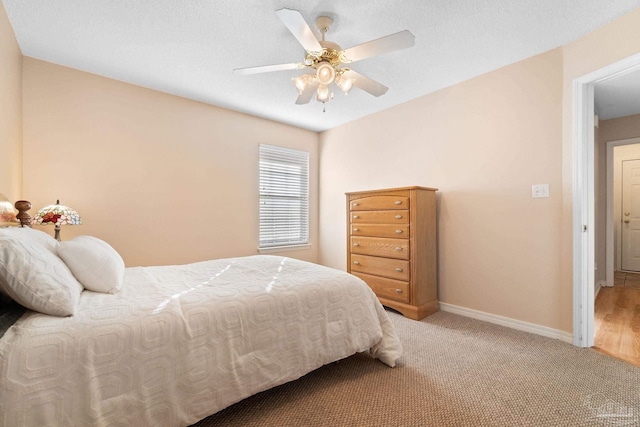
(455, 371)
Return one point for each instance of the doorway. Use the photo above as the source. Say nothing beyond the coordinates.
(614, 309)
(584, 226)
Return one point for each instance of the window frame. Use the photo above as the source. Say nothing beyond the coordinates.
(287, 203)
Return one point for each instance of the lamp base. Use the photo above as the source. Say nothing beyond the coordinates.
(57, 228)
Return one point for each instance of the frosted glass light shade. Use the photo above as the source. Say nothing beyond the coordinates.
(322, 94)
(301, 82)
(325, 73)
(344, 83)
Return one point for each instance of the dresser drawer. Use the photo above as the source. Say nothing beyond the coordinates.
(386, 267)
(391, 245)
(380, 217)
(374, 203)
(390, 248)
(381, 230)
(396, 290)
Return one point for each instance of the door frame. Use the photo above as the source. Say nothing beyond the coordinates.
(610, 231)
(583, 195)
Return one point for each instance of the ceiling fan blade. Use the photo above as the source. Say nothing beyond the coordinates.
(397, 41)
(268, 68)
(366, 84)
(308, 93)
(299, 28)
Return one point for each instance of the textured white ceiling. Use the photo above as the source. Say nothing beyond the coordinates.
(190, 47)
(618, 97)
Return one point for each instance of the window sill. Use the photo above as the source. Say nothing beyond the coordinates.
(273, 249)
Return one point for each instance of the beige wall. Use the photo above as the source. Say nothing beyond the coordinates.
(483, 143)
(182, 176)
(617, 129)
(600, 198)
(10, 111)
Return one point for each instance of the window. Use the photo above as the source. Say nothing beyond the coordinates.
(284, 196)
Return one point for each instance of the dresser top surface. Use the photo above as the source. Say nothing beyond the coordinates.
(391, 189)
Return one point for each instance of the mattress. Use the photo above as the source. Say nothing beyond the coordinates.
(179, 343)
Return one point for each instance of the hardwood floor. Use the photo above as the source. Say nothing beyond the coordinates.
(617, 319)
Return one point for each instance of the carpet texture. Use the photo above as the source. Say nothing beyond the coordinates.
(455, 371)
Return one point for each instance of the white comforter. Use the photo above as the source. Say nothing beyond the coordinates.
(179, 343)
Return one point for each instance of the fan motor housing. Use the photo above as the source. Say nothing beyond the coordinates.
(330, 53)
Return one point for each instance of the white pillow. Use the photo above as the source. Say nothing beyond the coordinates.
(94, 263)
(36, 278)
(29, 234)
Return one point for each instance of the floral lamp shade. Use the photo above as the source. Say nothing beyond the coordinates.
(7, 213)
(57, 215)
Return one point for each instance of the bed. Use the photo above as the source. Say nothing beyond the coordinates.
(170, 345)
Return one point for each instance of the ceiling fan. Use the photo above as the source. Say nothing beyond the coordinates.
(327, 61)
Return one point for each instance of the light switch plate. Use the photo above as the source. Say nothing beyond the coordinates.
(539, 191)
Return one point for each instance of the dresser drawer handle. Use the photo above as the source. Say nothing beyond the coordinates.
(356, 244)
(399, 270)
(356, 217)
(399, 231)
(398, 291)
(356, 262)
(398, 216)
(398, 202)
(398, 248)
(356, 229)
(356, 204)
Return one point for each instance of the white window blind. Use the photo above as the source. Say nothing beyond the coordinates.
(284, 196)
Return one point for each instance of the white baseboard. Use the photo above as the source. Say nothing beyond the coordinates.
(508, 322)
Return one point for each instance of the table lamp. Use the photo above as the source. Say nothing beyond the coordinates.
(57, 215)
(7, 213)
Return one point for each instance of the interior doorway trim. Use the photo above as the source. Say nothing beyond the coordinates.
(610, 235)
(583, 196)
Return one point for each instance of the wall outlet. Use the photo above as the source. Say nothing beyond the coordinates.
(539, 191)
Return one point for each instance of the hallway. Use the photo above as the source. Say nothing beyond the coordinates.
(617, 318)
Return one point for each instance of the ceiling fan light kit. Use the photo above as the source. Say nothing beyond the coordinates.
(344, 83)
(325, 73)
(301, 82)
(322, 94)
(327, 59)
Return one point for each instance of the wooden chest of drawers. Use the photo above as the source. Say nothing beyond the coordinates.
(391, 245)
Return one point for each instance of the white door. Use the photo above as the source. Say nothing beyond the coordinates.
(630, 221)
